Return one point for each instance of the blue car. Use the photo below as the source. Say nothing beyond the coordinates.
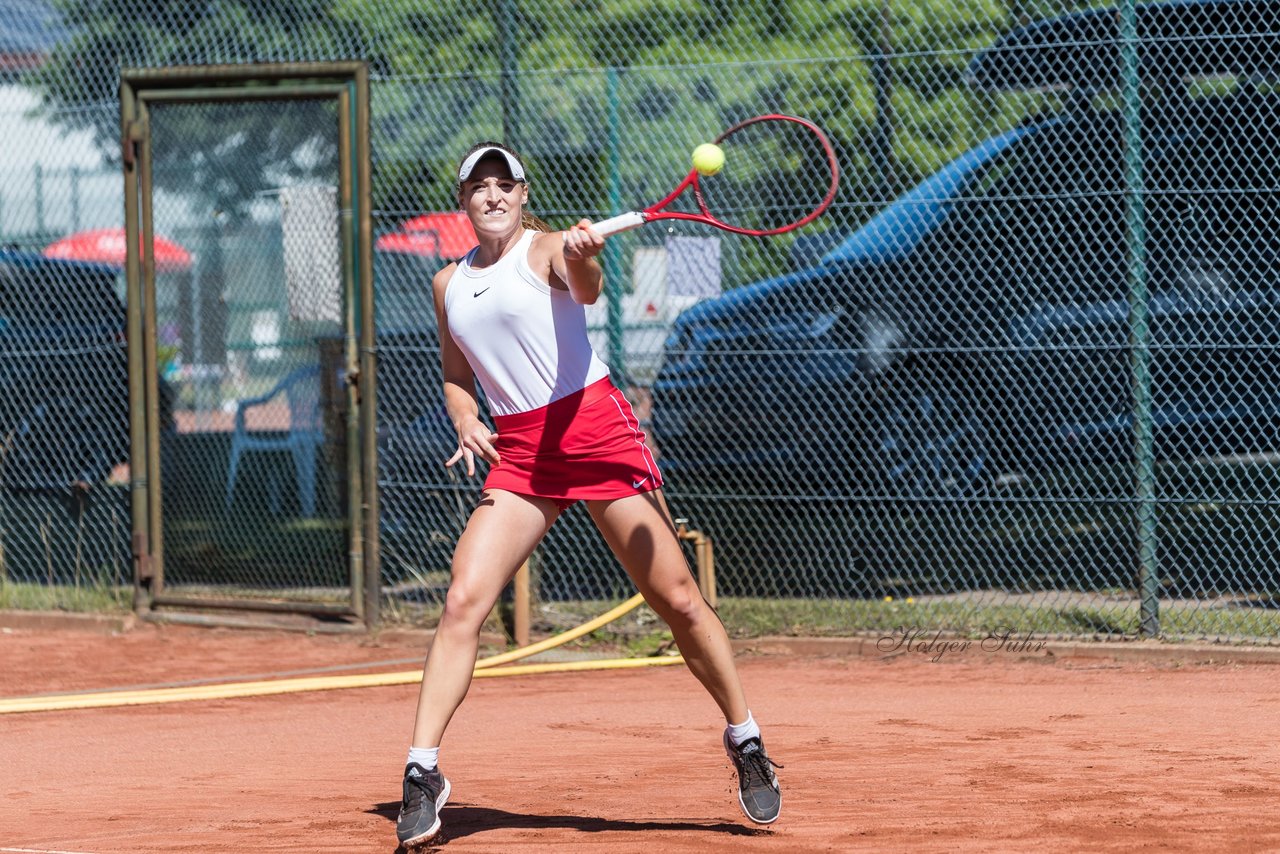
(976, 331)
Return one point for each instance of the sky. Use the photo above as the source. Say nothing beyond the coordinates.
(31, 142)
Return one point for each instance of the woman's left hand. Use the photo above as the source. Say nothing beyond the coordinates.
(581, 242)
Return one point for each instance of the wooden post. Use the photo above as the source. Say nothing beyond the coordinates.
(707, 571)
(523, 606)
(703, 556)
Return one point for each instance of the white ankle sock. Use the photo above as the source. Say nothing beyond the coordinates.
(427, 757)
(739, 733)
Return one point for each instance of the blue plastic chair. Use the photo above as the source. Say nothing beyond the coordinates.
(305, 434)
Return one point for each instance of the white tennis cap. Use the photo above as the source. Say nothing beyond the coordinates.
(513, 164)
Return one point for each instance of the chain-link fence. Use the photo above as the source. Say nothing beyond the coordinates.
(1022, 374)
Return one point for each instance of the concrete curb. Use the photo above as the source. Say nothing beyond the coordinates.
(1023, 648)
(103, 624)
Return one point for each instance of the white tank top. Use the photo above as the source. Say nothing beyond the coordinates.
(525, 340)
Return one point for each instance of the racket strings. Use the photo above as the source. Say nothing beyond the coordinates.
(776, 173)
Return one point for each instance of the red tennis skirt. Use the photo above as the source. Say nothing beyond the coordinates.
(586, 446)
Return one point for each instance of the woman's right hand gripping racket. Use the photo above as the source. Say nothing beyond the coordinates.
(779, 173)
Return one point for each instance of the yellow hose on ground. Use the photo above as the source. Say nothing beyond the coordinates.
(292, 686)
(562, 638)
(486, 667)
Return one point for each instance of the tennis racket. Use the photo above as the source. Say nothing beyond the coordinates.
(779, 173)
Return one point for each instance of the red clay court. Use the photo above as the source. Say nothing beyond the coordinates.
(979, 752)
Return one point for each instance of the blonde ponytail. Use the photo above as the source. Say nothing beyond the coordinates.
(532, 223)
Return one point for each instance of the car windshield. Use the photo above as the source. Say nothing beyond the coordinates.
(404, 291)
(50, 293)
(1049, 215)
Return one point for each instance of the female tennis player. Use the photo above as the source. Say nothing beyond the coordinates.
(511, 315)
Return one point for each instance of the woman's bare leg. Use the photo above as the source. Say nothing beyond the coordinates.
(500, 535)
(640, 532)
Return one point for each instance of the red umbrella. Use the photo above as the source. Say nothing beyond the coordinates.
(443, 235)
(107, 246)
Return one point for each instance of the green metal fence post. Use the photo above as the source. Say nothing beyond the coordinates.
(75, 198)
(612, 248)
(40, 230)
(509, 94)
(1139, 330)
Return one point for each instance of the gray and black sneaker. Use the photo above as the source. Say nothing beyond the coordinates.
(425, 793)
(758, 789)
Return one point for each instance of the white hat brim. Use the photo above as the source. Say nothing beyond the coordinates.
(469, 165)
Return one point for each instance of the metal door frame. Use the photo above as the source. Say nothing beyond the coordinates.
(348, 84)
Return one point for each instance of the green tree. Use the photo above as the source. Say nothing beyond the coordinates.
(683, 70)
(78, 85)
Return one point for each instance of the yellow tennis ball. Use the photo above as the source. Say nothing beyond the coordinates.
(708, 158)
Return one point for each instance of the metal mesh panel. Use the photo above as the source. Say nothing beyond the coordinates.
(249, 342)
(1024, 364)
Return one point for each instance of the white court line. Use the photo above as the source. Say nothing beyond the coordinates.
(40, 851)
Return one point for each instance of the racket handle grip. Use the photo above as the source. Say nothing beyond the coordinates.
(615, 224)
